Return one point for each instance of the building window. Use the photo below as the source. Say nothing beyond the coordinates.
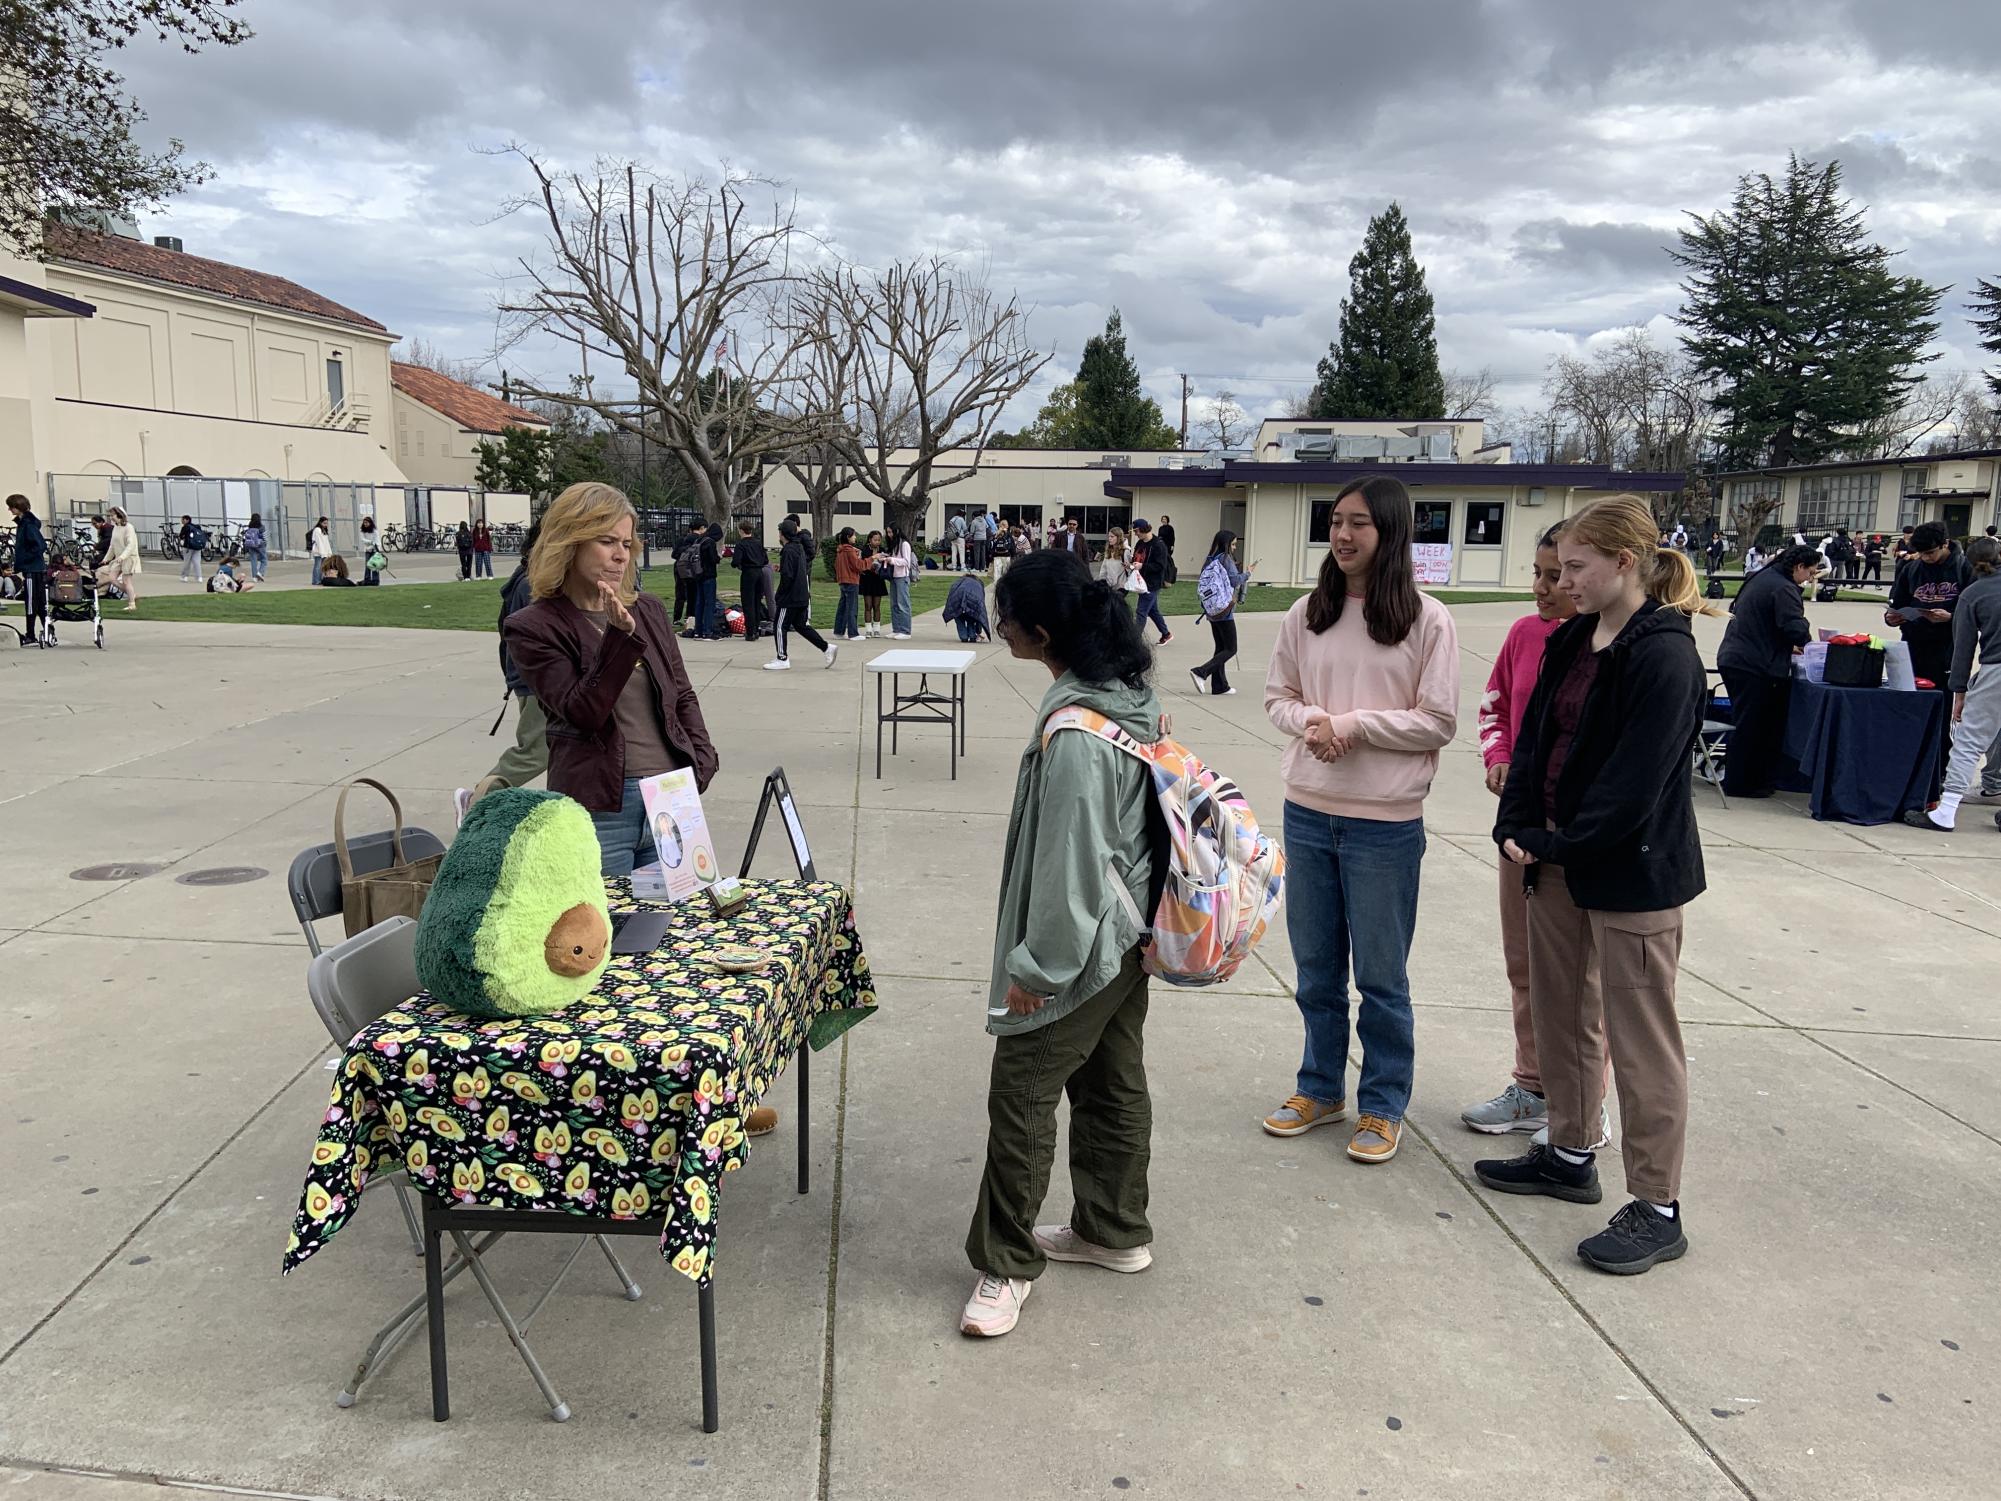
(1022, 515)
(1752, 501)
(851, 508)
(1097, 521)
(1910, 508)
(420, 443)
(1433, 522)
(1322, 518)
(1828, 501)
(1483, 523)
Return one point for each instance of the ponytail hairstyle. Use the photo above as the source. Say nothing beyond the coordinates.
(1625, 523)
(1392, 604)
(1984, 553)
(1090, 630)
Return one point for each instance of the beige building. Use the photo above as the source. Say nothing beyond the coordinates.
(1874, 496)
(1479, 515)
(440, 423)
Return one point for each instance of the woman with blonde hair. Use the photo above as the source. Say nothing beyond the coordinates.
(1112, 566)
(1597, 812)
(602, 661)
(121, 560)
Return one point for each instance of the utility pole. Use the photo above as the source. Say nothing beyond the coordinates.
(1184, 411)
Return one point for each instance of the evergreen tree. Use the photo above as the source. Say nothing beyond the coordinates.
(1798, 317)
(1986, 310)
(1109, 410)
(1385, 362)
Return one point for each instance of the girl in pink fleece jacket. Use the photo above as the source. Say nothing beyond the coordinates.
(1520, 1106)
(1365, 678)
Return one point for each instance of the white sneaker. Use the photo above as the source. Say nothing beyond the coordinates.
(462, 804)
(1541, 1138)
(1196, 678)
(833, 650)
(781, 665)
(1061, 1243)
(994, 1306)
(1226, 693)
(899, 635)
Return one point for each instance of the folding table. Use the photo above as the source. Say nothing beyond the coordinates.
(926, 705)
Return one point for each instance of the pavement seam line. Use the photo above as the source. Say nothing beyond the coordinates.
(1905, 861)
(164, 1482)
(833, 1279)
(154, 1213)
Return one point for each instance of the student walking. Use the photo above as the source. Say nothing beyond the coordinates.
(1976, 701)
(1112, 565)
(256, 547)
(1521, 1106)
(1067, 999)
(1219, 587)
(874, 585)
(795, 600)
(1597, 811)
(752, 563)
(1365, 679)
(902, 567)
(31, 567)
(1154, 562)
(848, 577)
(1767, 625)
(464, 540)
(370, 574)
(122, 565)
(193, 539)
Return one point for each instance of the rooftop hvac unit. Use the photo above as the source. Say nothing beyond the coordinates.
(1217, 458)
(1361, 446)
(1314, 450)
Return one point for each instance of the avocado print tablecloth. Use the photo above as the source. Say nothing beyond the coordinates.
(631, 1099)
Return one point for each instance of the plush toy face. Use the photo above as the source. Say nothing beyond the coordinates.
(516, 922)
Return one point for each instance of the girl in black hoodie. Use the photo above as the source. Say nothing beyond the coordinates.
(1597, 811)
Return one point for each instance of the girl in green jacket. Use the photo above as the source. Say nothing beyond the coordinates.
(1067, 1001)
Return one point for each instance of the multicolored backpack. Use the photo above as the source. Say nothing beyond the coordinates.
(1224, 877)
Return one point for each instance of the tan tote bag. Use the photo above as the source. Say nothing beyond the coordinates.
(397, 890)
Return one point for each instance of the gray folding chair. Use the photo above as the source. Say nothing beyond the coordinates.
(313, 883)
(352, 984)
(1712, 746)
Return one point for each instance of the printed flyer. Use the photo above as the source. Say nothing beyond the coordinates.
(687, 854)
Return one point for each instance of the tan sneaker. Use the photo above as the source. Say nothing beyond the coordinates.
(1375, 1139)
(761, 1121)
(1302, 1113)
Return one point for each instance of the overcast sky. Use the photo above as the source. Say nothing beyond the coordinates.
(1207, 167)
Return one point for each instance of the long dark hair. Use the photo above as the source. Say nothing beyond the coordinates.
(1984, 553)
(844, 536)
(1223, 542)
(1391, 604)
(1090, 630)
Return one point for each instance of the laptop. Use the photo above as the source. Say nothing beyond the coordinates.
(639, 932)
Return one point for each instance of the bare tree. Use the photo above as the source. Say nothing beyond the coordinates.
(682, 286)
(936, 357)
(824, 388)
(1298, 404)
(1470, 395)
(1635, 405)
(1979, 421)
(427, 355)
(1227, 424)
(1928, 407)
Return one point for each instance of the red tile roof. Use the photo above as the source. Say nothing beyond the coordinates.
(177, 268)
(469, 407)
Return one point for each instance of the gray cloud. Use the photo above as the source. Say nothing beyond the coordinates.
(1636, 251)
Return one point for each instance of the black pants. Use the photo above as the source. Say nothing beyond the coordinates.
(792, 619)
(35, 603)
(1876, 570)
(684, 600)
(1211, 671)
(1758, 706)
(751, 595)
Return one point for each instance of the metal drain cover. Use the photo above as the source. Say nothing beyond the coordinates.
(222, 875)
(125, 871)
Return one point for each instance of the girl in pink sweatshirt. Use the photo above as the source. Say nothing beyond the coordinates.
(1519, 1107)
(1365, 678)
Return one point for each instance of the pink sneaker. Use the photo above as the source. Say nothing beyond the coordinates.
(994, 1306)
(1061, 1243)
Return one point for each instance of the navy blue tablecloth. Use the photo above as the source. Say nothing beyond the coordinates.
(1865, 754)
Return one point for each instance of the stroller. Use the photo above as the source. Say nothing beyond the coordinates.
(71, 597)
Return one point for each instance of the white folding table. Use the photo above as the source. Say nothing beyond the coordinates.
(926, 705)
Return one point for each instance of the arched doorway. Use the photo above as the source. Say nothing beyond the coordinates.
(185, 471)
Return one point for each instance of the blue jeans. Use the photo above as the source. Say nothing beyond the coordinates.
(1149, 609)
(847, 614)
(1351, 895)
(482, 565)
(316, 569)
(707, 621)
(623, 838)
(259, 560)
(899, 606)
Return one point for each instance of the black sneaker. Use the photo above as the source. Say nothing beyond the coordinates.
(1638, 1236)
(1540, 1171)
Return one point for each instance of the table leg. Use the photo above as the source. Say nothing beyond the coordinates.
(434, 1295)
(962, 713)
(711, 1406)
(805, 1123)
(878, 727)
(952, 727)
(896, 701)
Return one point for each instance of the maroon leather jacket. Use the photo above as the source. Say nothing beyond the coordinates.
(577, 680)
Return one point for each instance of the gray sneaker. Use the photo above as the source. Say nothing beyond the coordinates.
(1513, 1109)
(1541, 1137)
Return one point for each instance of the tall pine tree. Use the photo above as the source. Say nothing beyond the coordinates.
(1110, 409)
(1807, 332)
(1986, 310)
(1385, 363)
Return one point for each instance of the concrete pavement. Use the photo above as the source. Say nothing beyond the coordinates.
(1310, 1327)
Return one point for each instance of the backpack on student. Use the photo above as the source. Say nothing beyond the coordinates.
(197, 538)
(1224, 877)
(1214, 589)
(688, 561)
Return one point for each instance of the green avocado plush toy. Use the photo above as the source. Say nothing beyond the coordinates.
(516, 923)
